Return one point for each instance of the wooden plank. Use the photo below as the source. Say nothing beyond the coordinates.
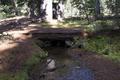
(55, 36)
(59, 33)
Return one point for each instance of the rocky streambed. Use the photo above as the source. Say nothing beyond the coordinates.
(61, 64)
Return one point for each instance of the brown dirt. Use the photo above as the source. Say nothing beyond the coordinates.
(102, 67)
(13, 52)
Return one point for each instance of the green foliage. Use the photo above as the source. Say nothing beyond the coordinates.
(20, 75)
(5, 8)
(76, 42)
(5, 2)
(8, 8)
(85, 6)
(114, 6)
(98, 44)
(2, 15)
(104, 45)
(5, 11)
(100, 25)
(36, 58)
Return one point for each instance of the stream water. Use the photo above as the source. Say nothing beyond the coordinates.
(68, 66)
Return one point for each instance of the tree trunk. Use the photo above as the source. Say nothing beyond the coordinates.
(31, 6)
(39, 7)
(117, 13)
(97, 9)
(60, 10)
(15, 7)
(117, 8)
(48, 8)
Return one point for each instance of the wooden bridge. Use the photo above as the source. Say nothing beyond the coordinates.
(57, 33)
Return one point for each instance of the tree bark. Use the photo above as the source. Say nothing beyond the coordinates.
(49, 13)
(39, 7)
(97, 9)
(31, 5)
(15, 5)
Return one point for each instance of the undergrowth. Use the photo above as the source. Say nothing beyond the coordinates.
(22, 74)
(108, 46)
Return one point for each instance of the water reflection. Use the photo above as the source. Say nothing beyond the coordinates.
(78, 74)
(64, 66)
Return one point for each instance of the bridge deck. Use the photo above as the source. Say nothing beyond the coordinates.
(57, 33)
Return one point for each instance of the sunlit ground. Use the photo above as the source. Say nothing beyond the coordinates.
(58, 24)
(12, 18)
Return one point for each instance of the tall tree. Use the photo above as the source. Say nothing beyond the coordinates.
(31, 5)
(97, 8)
(15, 5)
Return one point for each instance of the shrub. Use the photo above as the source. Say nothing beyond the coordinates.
(100, 25)
(36, 58)
(104, 45)
(5, 11)
(98, 44)
(22, 74)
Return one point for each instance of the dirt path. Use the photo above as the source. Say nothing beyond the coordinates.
(16, 46)
(103, 68)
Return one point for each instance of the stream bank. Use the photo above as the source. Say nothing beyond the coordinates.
(65, 65)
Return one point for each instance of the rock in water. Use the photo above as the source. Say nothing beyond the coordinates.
(51, 64)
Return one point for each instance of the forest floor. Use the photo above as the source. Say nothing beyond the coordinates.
(14, 51)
